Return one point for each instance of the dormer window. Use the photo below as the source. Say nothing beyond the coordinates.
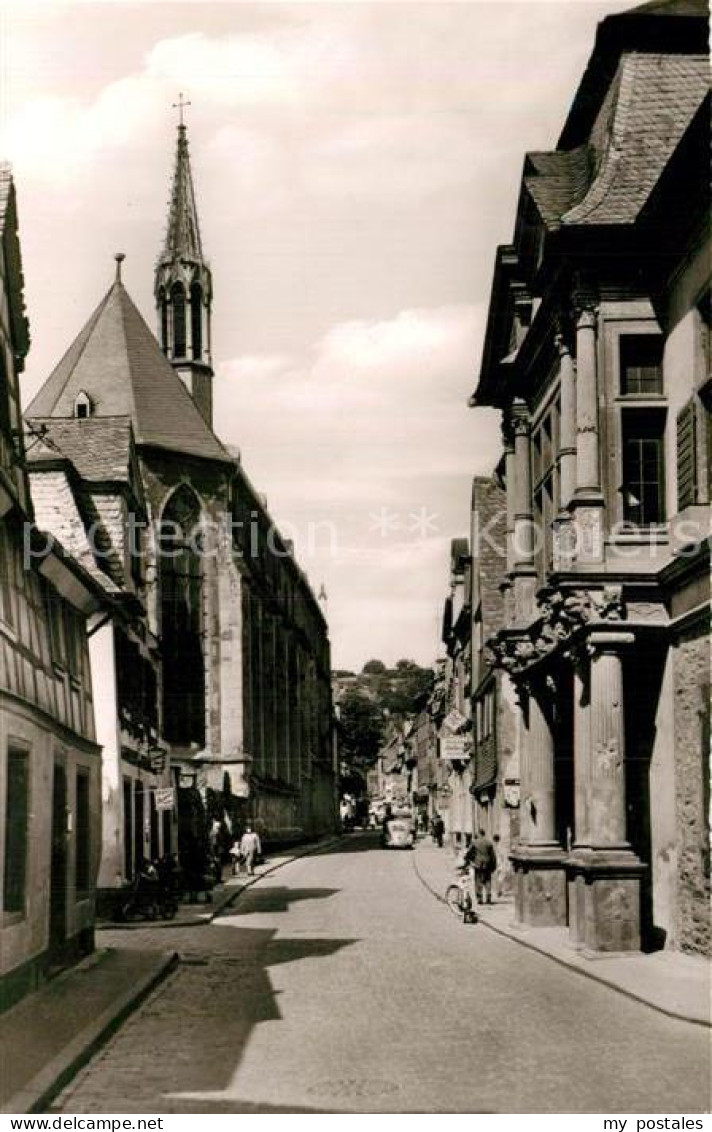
(82, 406)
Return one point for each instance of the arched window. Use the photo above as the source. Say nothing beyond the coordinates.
(178, 303)
(163, 310)
(181, 620)
(196, 319)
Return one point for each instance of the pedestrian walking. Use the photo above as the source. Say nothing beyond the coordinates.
(481, 854)
(249, 847)
(438, 829)
(500, 872)
(236, 856)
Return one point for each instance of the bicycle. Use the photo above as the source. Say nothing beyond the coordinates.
(458, 897)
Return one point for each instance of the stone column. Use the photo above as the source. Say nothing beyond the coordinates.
(525, 582)
(538, 860)
(606, 809)
(604, 869)
(538, 777)
(582, 774)
(588, 477)
(582, 756)
(587, 502)
(509, 474)
(523, 531)
(567, 450)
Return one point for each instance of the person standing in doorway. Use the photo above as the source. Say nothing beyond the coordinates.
(249, 847)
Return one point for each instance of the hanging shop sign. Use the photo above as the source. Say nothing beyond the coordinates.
(165, 798)
(454, 721)
(158, 760)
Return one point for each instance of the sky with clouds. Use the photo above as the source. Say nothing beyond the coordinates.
(356, 165)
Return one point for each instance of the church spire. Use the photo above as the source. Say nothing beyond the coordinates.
(183, 283)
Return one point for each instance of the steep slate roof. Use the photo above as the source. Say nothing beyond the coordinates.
(657, 97)
(117, 361)
(649, 105)
(98, 447)
(557, 181)
(66, 516)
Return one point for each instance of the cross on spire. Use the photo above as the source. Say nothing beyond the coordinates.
(180, 106)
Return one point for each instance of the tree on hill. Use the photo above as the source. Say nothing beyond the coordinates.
(361, 727)
(374, 668)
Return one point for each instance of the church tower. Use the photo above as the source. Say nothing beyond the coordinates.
(183, 286)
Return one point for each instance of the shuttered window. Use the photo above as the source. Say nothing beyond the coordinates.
(687, 455)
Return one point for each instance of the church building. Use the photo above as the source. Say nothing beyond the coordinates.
(229, 660)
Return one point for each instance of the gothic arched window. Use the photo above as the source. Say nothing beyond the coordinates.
(196, 319)
(178, 304)
(181, 590)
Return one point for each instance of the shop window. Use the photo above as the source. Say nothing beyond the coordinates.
(643, 488)
(83, 833)
(16, 830)
(641, 365)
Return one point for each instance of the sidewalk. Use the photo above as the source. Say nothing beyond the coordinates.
(50, 1034)
(671, 982)
(193, 915)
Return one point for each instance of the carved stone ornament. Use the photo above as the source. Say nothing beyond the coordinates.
(563, 614)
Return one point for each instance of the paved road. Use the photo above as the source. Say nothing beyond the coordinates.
(339, 983)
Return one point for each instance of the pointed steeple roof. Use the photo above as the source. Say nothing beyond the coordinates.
(183, 233)
(117, 362)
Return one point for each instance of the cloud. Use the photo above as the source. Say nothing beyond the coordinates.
(366, 438)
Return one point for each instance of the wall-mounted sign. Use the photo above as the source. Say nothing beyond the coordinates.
(453, 747)
(510, 792)
(165, 798)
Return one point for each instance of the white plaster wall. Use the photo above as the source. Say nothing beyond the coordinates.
(102, 661)
(24, 937)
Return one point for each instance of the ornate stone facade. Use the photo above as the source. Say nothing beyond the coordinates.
(606, 398)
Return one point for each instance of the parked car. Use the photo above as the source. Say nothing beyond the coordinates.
(399, 833)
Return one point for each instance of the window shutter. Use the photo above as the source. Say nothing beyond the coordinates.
(687, 455)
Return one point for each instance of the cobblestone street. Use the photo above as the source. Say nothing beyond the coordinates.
(328, 985)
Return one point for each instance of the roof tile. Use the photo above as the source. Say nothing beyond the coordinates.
(117, 362)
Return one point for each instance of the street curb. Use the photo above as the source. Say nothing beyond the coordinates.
(41, 1089)
(594, 975)
(227, 898)
(312, 849)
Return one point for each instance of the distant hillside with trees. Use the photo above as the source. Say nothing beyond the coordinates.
(369, 699)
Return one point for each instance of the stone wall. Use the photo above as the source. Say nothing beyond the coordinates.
(692, 771)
